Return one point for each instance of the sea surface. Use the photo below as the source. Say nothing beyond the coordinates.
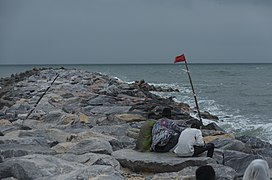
(239, 94)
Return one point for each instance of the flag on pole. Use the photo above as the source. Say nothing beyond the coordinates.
(180, 58)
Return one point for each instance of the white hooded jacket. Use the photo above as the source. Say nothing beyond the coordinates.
(257, 170)
(187, 139)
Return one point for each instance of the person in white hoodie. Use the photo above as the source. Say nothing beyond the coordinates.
(258, 169)
(191, 143)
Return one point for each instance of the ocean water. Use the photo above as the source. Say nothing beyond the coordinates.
(239, 94)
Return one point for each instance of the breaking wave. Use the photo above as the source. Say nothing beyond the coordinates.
(229, 119)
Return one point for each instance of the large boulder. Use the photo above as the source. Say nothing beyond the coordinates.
(92, 159)
(157, 162)
(93, 145)
(238, 160)
(50, 135)
(229, 144)
(16, 147)
(50, 167)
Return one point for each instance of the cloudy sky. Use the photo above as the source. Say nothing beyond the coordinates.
(134, 31)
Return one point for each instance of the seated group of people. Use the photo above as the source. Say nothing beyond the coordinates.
(168, 136)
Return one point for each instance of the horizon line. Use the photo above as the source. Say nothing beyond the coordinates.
(226, 63)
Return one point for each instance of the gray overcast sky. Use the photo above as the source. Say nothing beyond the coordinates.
(134, 31)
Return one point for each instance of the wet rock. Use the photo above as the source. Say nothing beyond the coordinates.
(207, 115)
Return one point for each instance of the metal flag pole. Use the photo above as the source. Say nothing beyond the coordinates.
(187, 69)
(182, 58)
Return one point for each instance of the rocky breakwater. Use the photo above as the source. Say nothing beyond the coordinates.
(85, 127)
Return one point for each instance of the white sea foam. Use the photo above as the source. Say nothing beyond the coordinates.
(230, 120)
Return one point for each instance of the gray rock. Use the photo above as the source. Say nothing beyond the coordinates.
(229, 144)
(238, 160)
(92, 159)
(71, 108)
(224, 172)
(157, 162)
(207, 115)
(53, 116)
(9, 128)
(120, 133)
(102, 100)
(4, 110)
(87, 110)
(92, 145)
(37, 166)
(45, 106)
(114, 130)
(122, 142)
(19, 108)
(111, 90)
(107, 110)
(27, 140)
(221, 172)
(5, 103)
(37, 124)
(254, 142)
(100, 172)
(218, 155)
(52, 134)
(265, 152)
(17, 150)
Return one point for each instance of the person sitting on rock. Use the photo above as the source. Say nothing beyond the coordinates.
(165, 133)
(191, 143)
(205, 172)
(258, 169)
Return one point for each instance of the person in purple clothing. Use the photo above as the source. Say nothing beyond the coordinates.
(165, 133)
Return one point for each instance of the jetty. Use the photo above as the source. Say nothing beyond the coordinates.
(73, 124)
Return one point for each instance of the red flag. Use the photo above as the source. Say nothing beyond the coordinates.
(180, 58)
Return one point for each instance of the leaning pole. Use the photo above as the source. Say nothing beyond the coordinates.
(182, 58)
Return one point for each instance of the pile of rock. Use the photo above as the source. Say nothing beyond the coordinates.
(86, 124)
